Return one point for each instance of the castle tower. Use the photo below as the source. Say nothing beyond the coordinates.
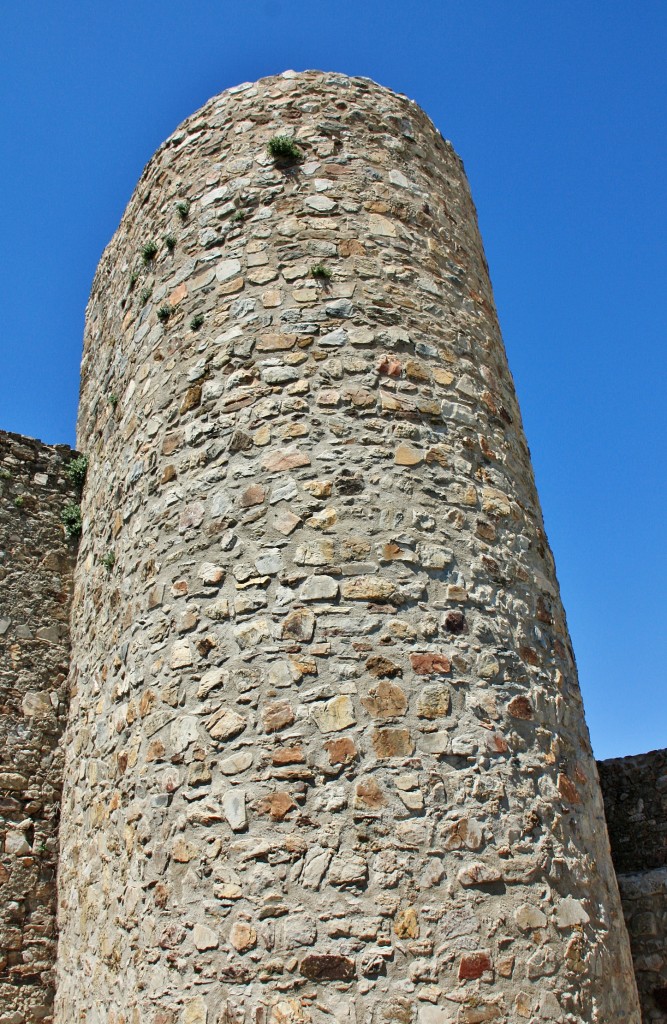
(327, 758)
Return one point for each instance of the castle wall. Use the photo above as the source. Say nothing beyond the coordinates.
(635, 797)
(36, 571)
(326, 756)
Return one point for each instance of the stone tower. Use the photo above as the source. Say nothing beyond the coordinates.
(327, 758)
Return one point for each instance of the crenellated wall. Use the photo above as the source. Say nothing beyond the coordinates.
(635, 797)
(36, 568)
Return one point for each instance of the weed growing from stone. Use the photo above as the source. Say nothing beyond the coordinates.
(108, 561)
(320, 272)
(163, 314)
(183, 209)
(134, 277)
(170, 242)
(197, 321)
(145, 295)
(238, 217)
(70, 517)
(76, 470)
(283, 149)
(19, 501)
(113, 399)
(148, 253)
(5, 474)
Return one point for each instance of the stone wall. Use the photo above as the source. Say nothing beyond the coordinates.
(36, 570)
(635, 797)
(326, 757)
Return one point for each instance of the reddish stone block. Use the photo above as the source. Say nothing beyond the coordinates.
(473, 965)
(520, 707)
(429, 664)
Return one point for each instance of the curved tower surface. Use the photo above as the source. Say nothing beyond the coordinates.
(327, 758)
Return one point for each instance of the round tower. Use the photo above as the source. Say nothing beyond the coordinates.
(327, 757)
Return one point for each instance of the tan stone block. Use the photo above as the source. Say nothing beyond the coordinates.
(271, 298)
(392, 743)
(277, 715)
(183, 851)
(379, 225)
(231, 287)
(179, 293)
(325, 519)
(242, 936)
(285, 458)
(368, 588)
(406, 924)
(276, 342)
(225, 724)
(285, 522)
(335, 714)
(433, 702)
(385, 700)
(204, 937)
(351, 247)
(318, 488)
(407, 456)
(195, 1011)
(442, 376)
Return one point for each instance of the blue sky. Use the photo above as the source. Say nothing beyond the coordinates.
(559, 113)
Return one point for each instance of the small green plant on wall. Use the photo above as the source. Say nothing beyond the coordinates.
(163, 314)
(76, 471)
(148, 253)
(320, 272)
(109, 560)
(170, 242)
(183, 209)
(113, 399)
(145, 295)
(197, 321)
(238, 217)
(283, 149)
(19, 501)
(70, 517)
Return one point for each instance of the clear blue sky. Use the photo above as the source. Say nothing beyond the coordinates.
(559, 112)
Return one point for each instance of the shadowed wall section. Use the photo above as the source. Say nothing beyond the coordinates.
(36, 571)
(635, 798)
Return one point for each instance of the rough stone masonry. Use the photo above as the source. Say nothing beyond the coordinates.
(326, 757)
(36, 569)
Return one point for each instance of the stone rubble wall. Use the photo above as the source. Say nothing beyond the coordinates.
(326, 755)
(36, 576)
(635, 797)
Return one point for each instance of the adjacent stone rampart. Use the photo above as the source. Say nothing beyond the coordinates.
(326, 757)
(635, 797)
(36, 571)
